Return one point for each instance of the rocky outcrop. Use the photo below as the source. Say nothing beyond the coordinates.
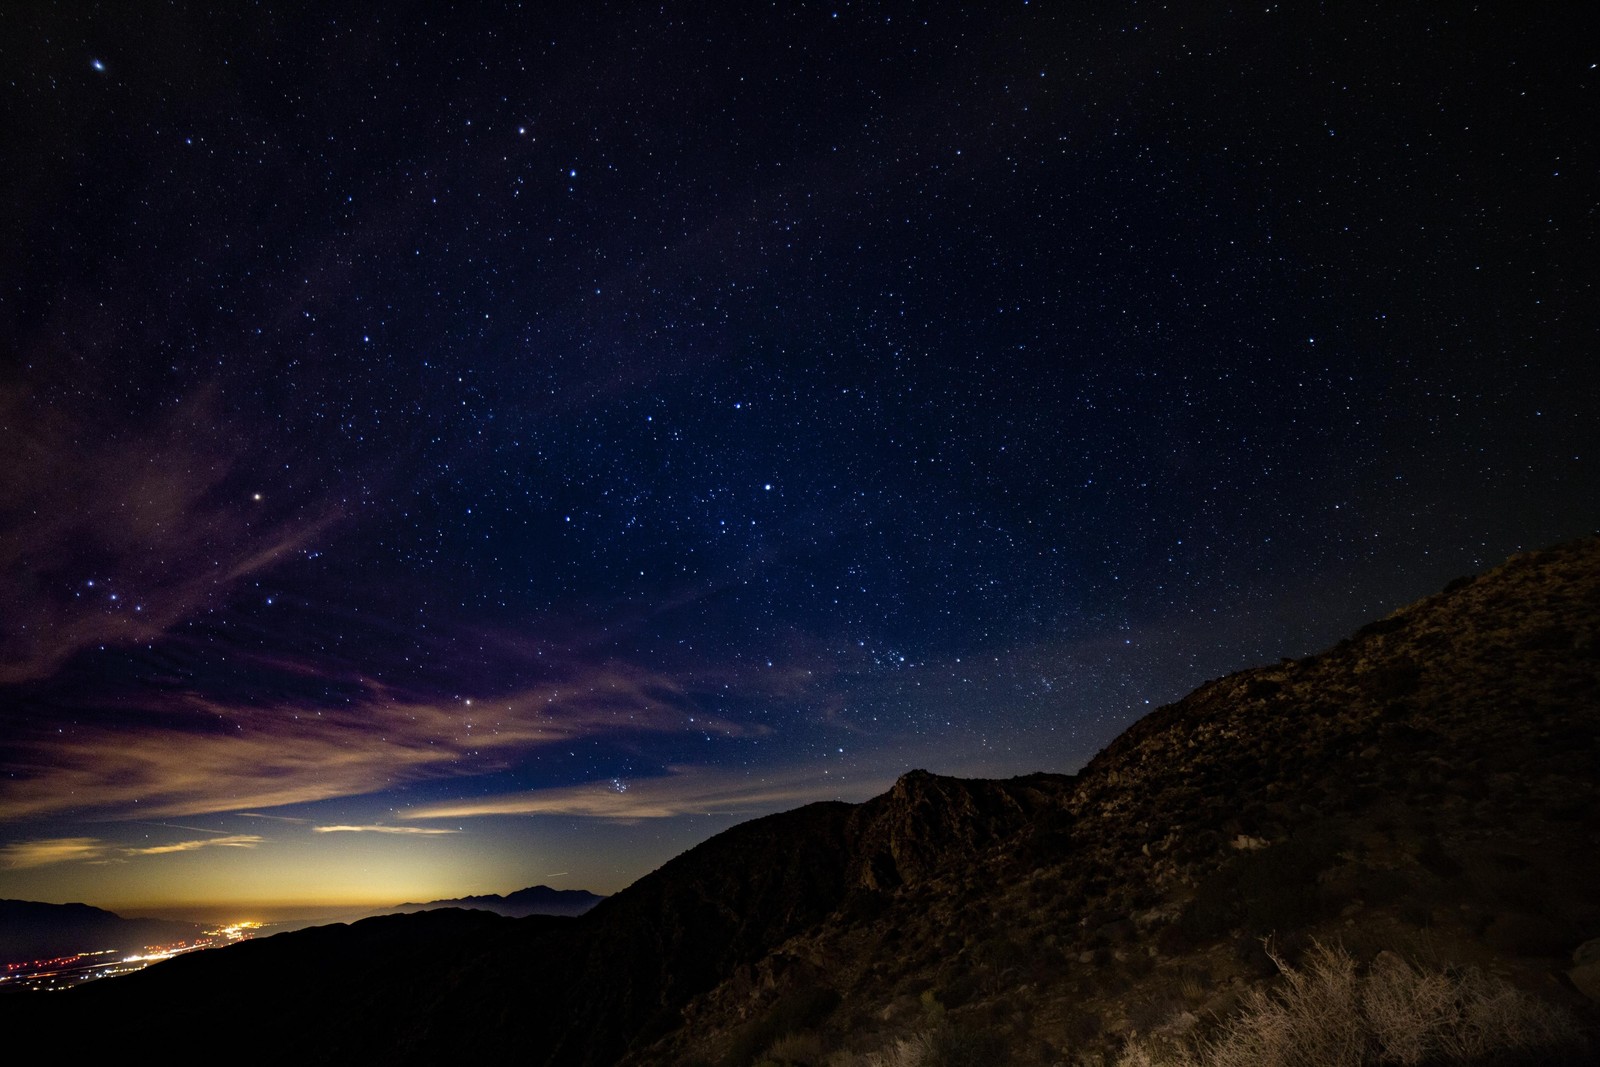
(927, 823)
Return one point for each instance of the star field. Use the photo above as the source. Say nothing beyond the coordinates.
(528, 441)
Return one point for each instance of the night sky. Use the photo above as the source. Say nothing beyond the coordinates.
(443, 453)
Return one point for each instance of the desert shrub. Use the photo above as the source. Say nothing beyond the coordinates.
(941, 1046)
(1329, 1014)
(1146, 1016)
(913, 1051)
(1316, 1009)
(799, 1010)
(801, 1048)
(1194, 983)
(955, 1046)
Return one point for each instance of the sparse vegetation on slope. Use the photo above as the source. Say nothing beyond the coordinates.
(1424, 788)
(1331, 1013)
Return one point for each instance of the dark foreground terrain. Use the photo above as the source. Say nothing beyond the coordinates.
(1419, 804)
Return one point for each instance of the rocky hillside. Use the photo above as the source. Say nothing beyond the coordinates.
(1425, 791)
(1430, 787)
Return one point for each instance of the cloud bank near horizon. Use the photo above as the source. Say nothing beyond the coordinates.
(249, 757)
(683, 790)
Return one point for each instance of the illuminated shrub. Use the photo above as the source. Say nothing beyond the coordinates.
(1331, 1014)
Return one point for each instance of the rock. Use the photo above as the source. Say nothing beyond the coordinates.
(1585, 973)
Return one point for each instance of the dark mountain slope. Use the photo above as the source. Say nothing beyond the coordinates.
(722, 907)
(325, 994)
(1428, 787)
(642, 953)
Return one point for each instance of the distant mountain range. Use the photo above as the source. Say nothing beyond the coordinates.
(33, 931)
(1423, 795)
(535, 900)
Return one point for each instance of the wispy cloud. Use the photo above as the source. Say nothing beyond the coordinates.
(231, 841)
(53, 850)
(50, 850)
(379, 830)
(276, 756)
(684, 791)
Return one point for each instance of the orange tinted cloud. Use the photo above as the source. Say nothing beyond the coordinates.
(42, 853)
(52, 850)
(686, 791)
(276, 756)
(227, 841)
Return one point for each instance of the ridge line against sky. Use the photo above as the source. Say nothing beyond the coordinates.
(445, 449)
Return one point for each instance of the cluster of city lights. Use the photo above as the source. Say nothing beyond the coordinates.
(64, 972)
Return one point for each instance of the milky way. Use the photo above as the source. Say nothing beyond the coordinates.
(519, 445)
